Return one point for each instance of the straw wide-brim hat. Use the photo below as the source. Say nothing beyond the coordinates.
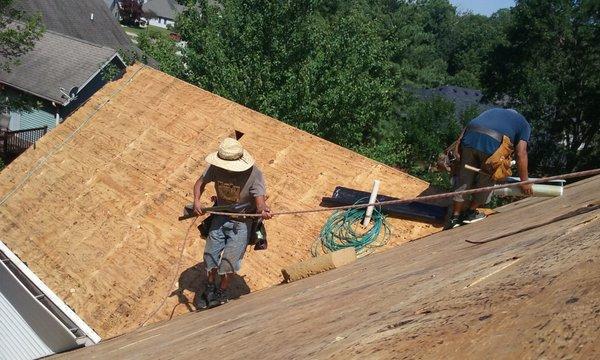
(231, 156)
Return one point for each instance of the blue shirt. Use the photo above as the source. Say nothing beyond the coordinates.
(507, 122)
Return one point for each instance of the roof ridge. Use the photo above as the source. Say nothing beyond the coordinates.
(77, 39)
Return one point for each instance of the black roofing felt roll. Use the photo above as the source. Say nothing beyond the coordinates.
(413, 210)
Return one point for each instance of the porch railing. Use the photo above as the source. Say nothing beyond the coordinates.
(16, 142)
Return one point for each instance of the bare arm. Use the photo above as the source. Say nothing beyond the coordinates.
(198, 190)
(522, 166)
(261, 206)
(457, 146)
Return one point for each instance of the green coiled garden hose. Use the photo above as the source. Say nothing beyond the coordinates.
(343, 229)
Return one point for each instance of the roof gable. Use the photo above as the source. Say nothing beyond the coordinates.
(57, 61)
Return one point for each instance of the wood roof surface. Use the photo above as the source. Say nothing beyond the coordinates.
(97, 219)
(531, 291)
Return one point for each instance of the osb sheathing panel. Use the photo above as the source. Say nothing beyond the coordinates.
(98, 220)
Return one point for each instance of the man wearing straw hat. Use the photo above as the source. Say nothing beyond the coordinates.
(237, 180)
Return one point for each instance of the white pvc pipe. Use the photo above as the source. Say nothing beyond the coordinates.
(538, 191)
(372, 199)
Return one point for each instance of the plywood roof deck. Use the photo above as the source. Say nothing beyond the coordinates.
(98, 221)
(532, 292)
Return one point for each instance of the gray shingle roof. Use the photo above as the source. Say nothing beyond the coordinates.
(167, 9)
(463, 98)
(73, 18)
(57, 61)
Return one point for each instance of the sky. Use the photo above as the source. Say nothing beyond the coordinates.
(484, 7)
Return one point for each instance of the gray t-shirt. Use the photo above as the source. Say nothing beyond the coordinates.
(235, 187)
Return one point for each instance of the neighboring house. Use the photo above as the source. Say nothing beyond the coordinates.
(463, 98)
(162, 12)
(90, 20)
(34, 322)
(61, 72)
(113, 7)
(82, 38)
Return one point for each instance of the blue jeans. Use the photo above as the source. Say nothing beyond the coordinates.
(226, 244)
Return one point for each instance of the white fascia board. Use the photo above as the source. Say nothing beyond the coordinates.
(91, 334)
(34, 326)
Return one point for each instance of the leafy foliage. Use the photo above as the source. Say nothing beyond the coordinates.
(164, 50)
(430, 127)
(341, 70)
(110, 72)
(549, 71)
(130, 11)
(18, 101)
(18, 34)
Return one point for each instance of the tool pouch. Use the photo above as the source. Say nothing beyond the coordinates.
(498, 164)
(204, 226)
(258, 235)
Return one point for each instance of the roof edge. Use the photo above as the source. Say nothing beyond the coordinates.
(60, 101)
(65, 102)
(115, 55)
(93, 337)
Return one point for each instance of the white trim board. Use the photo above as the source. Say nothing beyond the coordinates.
(90, 338)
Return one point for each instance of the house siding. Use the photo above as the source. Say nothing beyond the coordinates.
(161, 22)
(29, 330)
(19, 340)
(45, 116)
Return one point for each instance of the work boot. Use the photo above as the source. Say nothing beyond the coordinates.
(199, 301)
(453, 222)
(471, 216)
(202, 302)
(219, 297)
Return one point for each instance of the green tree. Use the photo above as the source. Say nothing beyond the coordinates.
(318, 65)
(473, 38)
(164, 50)
(18, 34)
(549, 71)
(430, 127)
